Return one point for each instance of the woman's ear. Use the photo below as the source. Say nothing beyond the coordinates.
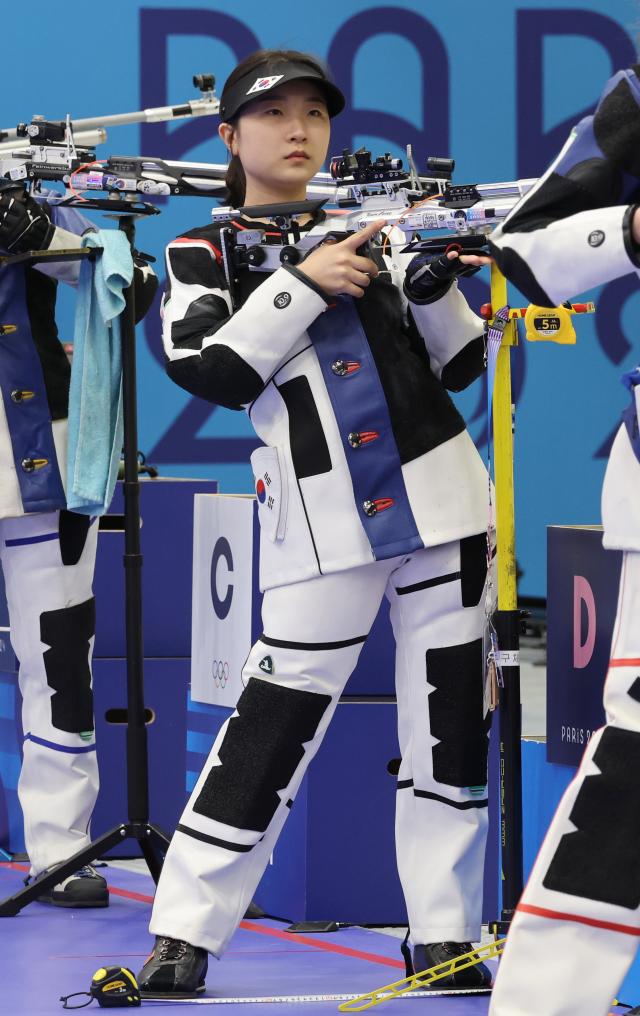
(227, 133)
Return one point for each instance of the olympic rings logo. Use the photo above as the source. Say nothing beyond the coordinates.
(220, 673)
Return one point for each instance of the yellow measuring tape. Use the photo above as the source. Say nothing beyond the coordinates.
(547, 324)
(424, 978)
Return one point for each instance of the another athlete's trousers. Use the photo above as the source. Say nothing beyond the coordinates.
(294, 675)
(48, 562)
(577, 926)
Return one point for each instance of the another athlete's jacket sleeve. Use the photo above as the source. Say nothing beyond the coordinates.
(453, 335)
(572, 231)
(221, 356)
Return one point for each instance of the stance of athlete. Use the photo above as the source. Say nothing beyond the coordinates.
(577, 926)
(47, 552)
(368, 485)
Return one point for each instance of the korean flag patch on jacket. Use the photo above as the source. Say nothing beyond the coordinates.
(271, 493)
(264, 84)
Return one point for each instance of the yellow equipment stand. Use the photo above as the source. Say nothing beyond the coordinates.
(506, 619)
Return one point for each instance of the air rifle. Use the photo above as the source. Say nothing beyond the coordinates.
(91, 131)
(365, 190)
(64, 151)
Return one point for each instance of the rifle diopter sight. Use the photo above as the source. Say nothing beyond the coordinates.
(357, 170)
(44, 132)
(357, 167)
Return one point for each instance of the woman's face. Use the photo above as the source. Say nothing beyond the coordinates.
(281, 140)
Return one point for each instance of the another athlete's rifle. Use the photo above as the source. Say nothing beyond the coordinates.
(92, 130)
(64, 151)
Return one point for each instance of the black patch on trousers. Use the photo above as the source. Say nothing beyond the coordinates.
(309, 448)
(473, 568)
(634, 690)
(67, 632)
(72, 530)
(456, 715)
(261, 750)
(601, 860)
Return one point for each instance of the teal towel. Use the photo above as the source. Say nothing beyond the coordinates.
(95, 395)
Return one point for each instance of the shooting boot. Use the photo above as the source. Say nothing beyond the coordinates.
(175, 969)
(85, 888)
(423, 957)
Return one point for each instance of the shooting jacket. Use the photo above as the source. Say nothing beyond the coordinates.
(571, 232)
(365, 456)
(34, 379)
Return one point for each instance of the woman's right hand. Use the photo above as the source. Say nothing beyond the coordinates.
(335, 266)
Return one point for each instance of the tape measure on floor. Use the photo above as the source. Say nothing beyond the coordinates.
(112, 987)
(307, 998)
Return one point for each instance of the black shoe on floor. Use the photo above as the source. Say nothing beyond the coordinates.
(85, 888)
(424, 957)
(175, 969)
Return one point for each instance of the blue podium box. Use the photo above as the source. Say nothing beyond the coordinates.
(11, 824)
(166, 683)
(166, 538)
(582, 596)
(166, 688)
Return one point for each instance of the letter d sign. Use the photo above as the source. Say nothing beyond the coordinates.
(583, 650)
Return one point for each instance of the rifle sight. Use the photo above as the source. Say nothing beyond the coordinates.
(357, 167)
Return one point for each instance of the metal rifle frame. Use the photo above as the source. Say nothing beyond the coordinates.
(152, 840)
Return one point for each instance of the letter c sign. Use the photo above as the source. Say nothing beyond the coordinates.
(221, 605)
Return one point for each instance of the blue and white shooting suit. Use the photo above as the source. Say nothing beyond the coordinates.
(47, 556)
(368, 486)
(577, 927)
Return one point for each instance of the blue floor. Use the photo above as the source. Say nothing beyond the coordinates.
(48, 952)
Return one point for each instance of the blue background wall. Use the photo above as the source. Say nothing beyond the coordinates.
(496, 85)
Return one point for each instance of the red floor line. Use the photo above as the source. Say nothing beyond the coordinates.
(326, 946)
(287, 936)
(130, 895)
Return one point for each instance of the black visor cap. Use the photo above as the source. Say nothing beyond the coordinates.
(261, 80)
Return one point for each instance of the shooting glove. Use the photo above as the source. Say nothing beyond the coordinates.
(24, 224)
(429, 276)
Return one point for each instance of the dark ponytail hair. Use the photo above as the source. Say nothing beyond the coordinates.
(236, 183)
(235, 180)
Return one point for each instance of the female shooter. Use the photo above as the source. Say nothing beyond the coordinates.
(368, 485)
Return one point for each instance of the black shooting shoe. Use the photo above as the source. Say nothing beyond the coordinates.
(175, 969)
(85, 888)
(423, 957)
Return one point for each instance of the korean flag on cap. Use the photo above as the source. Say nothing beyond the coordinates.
(263, 84)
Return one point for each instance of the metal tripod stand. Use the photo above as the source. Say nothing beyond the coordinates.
(152, 840)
